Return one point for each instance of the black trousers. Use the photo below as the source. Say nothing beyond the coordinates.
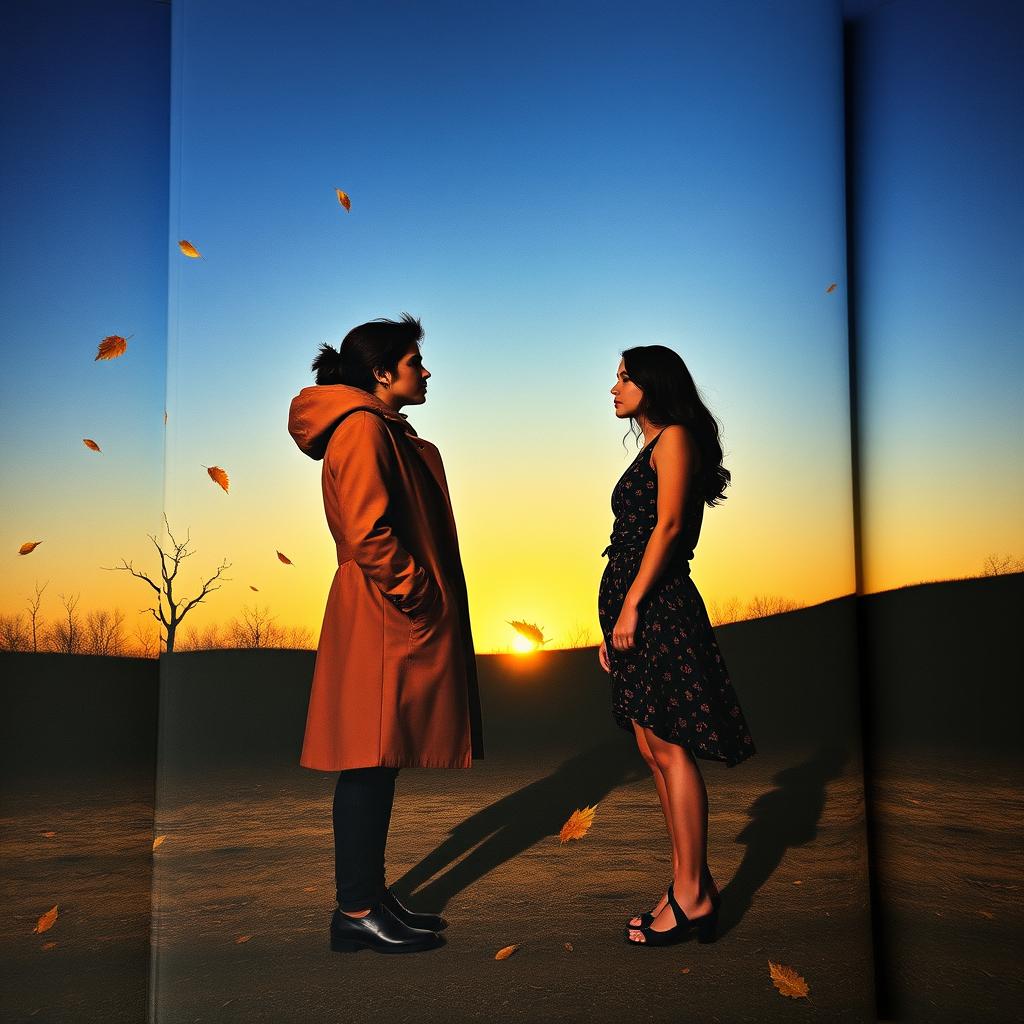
(363, 798)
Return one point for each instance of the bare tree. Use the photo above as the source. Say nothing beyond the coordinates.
(299, 638)
(197, 638)
(33, 612)
(14, 633)
(763, 604)
(170, 562)
(66, 633)
(103, 632)
(579, 636)
(722, 612)
(147, 643)
(1001, 565)
(256, 628)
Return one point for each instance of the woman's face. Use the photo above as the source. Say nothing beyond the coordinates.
(627, 395)
(409, 383)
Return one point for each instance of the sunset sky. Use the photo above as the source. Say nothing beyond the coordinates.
(543, 188)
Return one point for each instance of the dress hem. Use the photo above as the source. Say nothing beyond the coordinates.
(705, 754)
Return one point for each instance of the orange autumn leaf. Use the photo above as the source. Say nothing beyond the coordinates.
(684, 970)
(49, 835)
(158, 841)
(285, 559)
(29, 545)
(796, 881)
(535, 634)
(568, 947)
(787, 981)
(578, 824)
(242, 938)
(831, 288)
(506, 951)
(90, 443)
(45, 923)
(111, 347)
(189, 249)
(344, 199)
(987, 913)
(48, 945)
(218, 476)
(309, 888)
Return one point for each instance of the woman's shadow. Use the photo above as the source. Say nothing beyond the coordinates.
(514, 823)
(780, 818)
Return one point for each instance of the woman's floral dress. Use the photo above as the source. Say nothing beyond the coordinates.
(674, 680)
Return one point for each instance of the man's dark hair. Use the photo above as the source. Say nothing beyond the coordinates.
(377, 345)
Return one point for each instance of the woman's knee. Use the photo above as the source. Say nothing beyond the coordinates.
(644, 746)
(666, 755)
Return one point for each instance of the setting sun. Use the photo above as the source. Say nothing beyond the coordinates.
(523, 645)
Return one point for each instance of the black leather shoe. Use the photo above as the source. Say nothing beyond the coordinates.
(432, 922)
(380, 931)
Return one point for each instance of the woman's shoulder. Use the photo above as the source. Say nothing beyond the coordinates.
(677, 440)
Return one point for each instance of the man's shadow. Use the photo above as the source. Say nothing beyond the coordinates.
(507, 827)
(781, 818)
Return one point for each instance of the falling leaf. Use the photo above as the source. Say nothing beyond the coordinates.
(285, 559)
(796, 881)
(309, 888)
(787, 981)
(165, 417)
(242, 938)
(111, 347)
(49, 835)
(29, 545)
(48, 945)
(578, 824)
(568, 947)
(188, 249)
(45, 923)
(684, 970)
(831, 288)
(506, 951)
(218, 476)
(90, 443)
(344, 199)
(158, 841)
(535, 634)
(987, 913)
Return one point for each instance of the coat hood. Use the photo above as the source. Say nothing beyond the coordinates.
(316, 411)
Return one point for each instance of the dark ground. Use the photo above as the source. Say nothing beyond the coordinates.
(248, 842)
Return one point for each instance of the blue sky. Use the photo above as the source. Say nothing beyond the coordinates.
(544, 185)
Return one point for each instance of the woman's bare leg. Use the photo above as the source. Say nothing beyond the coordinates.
(659, 782)
(687, 800)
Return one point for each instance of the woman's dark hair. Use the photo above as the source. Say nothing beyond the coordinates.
(670, 396)
(377, 345)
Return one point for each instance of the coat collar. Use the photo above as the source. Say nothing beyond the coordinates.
(317, 410)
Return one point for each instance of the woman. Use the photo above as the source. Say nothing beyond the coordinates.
(394, 683)
(670, 686)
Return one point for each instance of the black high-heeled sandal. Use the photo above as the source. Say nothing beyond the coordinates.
(706, 926)
(648, 915)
